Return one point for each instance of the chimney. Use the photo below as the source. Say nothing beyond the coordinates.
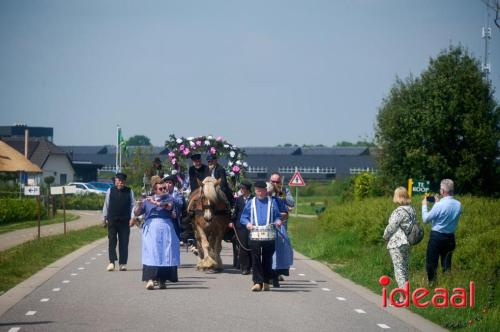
(26, 138)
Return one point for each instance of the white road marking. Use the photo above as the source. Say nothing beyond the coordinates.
(93, 258)
(360, 311)
(74, 274)
(340, 298)
(302, 274)
(31, 313)
(65, 281)
(14, 329)
(99, 254)
(56, 289)
(81, 268)
(383, 326)
(45, 300)
(326, 289)
(312, 281)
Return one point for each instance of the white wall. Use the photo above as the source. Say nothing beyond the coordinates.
(57, 165)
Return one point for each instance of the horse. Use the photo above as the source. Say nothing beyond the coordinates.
(211, 217)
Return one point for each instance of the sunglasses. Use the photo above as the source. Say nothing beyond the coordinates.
(275, 181)
(162, 188)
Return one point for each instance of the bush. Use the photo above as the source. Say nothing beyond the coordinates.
(19, 209)
(363, 186)
(81, 202)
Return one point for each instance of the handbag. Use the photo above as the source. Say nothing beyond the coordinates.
(416, 232)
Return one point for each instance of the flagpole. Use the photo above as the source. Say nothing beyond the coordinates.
(117, 146)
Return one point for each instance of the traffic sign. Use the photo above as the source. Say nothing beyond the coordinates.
(59, 190)
(296, 180)
(32, 191)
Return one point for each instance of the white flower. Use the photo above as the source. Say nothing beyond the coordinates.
(191, 143)
(231, 173)
(179, 141)
(226, 145)
(210, 137)
(174, 172)
(232, 154)
(190, 138)
(229, 163)
(245, 164)
(207, 142)
(238, 162)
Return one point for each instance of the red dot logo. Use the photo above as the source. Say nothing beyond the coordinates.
(384, 280)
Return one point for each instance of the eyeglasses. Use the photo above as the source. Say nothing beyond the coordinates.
(162, 188)
(275, 181)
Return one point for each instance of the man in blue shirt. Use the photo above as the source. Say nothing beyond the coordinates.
(260, 212)
(444, 217)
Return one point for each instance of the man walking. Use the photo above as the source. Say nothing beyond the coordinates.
(444, 217)
(117, 214)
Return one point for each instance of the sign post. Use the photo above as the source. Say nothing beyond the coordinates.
(296, 181)
(63, 190)
(35, 191)
(419, 186)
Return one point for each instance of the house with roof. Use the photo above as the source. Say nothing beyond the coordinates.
(53, 160)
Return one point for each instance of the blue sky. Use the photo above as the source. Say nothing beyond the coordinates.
(259, 73)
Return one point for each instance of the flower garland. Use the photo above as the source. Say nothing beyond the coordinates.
(182, 149)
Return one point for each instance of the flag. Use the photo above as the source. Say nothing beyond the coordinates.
(121, 142)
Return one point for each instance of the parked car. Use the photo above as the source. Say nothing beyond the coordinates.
(85, 188)
(102, 186)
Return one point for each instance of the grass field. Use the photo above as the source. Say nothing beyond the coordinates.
(348, 238)
(33, 223)
(21, 262)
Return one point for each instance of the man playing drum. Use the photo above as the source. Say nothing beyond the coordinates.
(260, 216)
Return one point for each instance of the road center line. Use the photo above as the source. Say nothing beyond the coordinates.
(56, 289)
(383, 326)
(31, 313)
(45, 299)
(326, 289)
(360, 311)
(65, 281)
(340, 298)
(14, 329)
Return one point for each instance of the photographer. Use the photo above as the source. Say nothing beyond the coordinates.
(444, 216)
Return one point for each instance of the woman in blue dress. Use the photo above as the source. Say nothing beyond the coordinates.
(160, 244)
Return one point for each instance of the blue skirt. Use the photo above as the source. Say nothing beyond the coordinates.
(283, 254)
(160, 244)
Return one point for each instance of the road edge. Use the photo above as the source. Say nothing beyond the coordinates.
(21, 290)
(405, 315)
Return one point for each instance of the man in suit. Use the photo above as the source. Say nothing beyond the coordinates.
(219, 173)
(197, 173)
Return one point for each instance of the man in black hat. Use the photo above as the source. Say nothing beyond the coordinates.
(241, 252)
(197, 173)
(118, 215)
(219, 173)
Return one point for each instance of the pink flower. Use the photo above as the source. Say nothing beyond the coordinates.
(181, 147)
(236, 169)
(198, 143)
(191, 144)
(186, 151)
(174, 161)
(220, 138)
(213, 150)
(171, 155)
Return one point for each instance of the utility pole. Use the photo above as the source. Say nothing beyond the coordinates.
(486, 35)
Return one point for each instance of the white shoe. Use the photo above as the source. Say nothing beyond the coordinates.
(123, 267)
(281, 278)
(111, 267)
(150, 285)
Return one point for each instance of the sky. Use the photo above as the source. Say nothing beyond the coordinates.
(258, 73)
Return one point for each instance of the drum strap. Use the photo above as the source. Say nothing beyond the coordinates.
(253, 212)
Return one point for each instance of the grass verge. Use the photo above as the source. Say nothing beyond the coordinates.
(21, 262)
(348, 238)
(33, 223)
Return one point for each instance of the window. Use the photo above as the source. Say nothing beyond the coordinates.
(63, 178)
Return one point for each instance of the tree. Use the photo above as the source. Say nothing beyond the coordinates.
(139, 140)
(443, 124)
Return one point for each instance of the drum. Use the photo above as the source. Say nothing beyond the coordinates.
(262, 233)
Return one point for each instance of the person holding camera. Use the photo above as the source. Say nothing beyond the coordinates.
(395, 234)
(444, 217)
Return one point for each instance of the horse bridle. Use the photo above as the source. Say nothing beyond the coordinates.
(200, 212)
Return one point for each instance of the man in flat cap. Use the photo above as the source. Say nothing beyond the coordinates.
(117, 214)
(260, 211)
(197, 173)
(219, 173)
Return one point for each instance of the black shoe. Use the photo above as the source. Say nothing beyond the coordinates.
(276, 283)
(245, 272)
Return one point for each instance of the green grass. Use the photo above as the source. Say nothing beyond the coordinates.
(33, 223)
(21, 262)
(348, 238)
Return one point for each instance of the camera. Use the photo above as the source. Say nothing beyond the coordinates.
(430, 199)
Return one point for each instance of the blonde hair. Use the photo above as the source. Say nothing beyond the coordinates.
(401, 196)
(155, 179)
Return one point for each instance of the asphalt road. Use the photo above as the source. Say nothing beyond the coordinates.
(83, 296)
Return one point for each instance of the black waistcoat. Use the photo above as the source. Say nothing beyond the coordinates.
(119, 203)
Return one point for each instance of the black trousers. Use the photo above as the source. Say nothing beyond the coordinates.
(262, 261)
(118, 232)
(441, 245)
(244, 256)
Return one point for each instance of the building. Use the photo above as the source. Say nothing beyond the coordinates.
(18, 130)
(53, 160)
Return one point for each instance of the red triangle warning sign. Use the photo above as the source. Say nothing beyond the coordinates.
(296, 180)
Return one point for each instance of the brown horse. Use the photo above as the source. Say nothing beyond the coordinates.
(211, 217)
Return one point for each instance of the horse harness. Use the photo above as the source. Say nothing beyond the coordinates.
(200, 212)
